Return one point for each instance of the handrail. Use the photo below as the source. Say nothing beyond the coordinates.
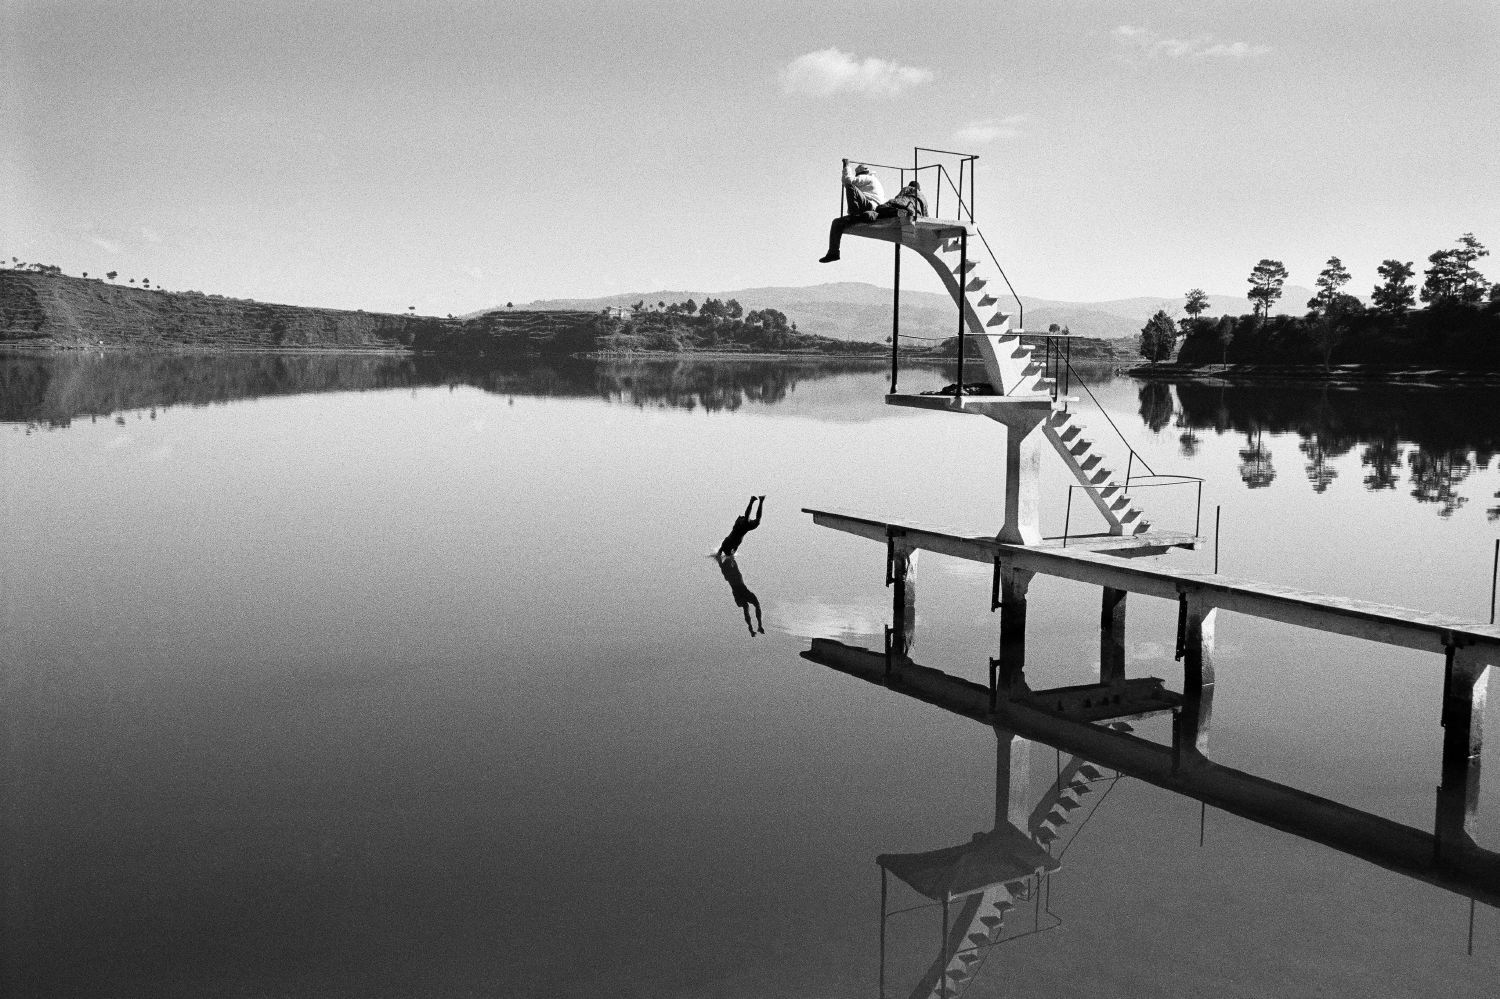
(1133, 452)
(1020, 306)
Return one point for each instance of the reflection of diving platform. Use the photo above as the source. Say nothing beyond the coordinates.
(984, 884)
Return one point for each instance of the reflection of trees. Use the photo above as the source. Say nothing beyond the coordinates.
(1255, 463)
(1435, 476)
(1156, 404)
(1319, 472)
(57, 388)
(1443, 431)
(1187, 443)
(1382, 457)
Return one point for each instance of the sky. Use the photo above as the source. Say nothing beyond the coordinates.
(455, 155)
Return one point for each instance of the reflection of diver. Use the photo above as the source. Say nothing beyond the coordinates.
(743, 596)
(743, 525)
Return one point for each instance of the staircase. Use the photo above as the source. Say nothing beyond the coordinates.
(1087, 467)
(1013, 373)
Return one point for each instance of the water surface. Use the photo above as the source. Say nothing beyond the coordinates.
(338, 676)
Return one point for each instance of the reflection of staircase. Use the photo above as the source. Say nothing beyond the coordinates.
(1068, 805)
(979, 924)
(1088, 468)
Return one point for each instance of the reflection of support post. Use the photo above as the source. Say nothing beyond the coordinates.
(1464, 688)
(1012, 777)
(1190, 737)
(1012, 586)
(1112, 636)
(883, 875)
(942, 950)
(901, 574)
(1023, 473)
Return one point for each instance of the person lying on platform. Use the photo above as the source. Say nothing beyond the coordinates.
(743, 525)
(744, 597)
(910, 204)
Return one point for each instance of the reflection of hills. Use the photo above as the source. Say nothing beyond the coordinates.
(55, 389)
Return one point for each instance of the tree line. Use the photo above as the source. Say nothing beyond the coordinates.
(1458, 325)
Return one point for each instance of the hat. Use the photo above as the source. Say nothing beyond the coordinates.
(861, 169)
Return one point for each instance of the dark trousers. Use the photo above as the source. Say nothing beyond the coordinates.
(870, 214)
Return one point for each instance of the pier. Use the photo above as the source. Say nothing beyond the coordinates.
(1075, 719)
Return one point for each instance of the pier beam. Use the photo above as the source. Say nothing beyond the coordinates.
(1190, 735)
(1465, 685)
(1012, 664)
(1023, 473)
(1112, 636)
(901, 574)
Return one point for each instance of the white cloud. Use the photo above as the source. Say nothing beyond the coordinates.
(108, 246)
(829, 71)
(1133, 44)
(150, 235)
(977, 133)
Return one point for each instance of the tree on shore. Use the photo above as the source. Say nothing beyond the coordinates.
(1158, 337)
(1197, 303)
(112, 275)
(1453, 276)
(1394, 295)
(1266, 280)
(1224, 333)
(1331, 280)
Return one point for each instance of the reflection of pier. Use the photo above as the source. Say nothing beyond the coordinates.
(1067, 718)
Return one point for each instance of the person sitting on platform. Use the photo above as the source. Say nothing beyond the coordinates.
(863, 195)
(909, 205)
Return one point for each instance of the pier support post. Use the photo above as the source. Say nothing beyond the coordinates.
(1012, 778)
(901, 575)
(1465, 684)
(1112, 636)
(1013, 586)
(1190, 738)
(1023, 473)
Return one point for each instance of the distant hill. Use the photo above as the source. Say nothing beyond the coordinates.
(852, 310)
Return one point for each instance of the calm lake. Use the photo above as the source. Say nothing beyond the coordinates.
(377, 676)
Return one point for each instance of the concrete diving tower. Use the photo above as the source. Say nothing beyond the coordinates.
(1021, 397)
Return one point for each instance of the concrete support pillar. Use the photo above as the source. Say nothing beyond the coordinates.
(1465, 685)
(1112, 636)
(1193, 719)
(1013, 586)
(1023, 474)
(902, 574)
(1012, 779)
